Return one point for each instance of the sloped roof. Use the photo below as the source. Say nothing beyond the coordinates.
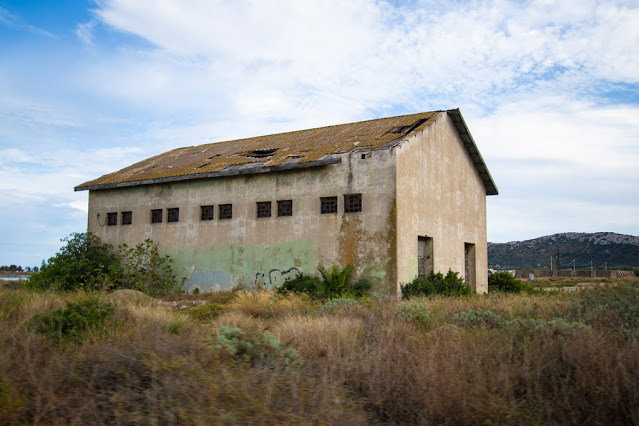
(303, 148)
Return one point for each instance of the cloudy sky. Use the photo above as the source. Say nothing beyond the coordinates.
(549, 89)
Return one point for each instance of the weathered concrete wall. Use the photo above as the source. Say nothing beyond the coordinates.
(221, 253)
(440, 195)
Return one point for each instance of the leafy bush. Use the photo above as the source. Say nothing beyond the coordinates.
(413, 312)
(436, 283)
(637, 272)
(301, 284)
(145, 270)
(255, 348)
(71, 323)
(84, 262)
(332, 284)
(503, 281)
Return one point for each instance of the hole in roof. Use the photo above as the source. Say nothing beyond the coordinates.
(216, 155)
(262, 153)
(203, 165)
(398, 129)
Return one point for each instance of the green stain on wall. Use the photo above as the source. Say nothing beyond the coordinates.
(411, 268)
(222, 267)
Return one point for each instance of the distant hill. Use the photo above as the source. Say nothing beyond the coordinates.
(599, 247)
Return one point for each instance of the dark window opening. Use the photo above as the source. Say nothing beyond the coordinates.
(329, 205)
(226, 211)
(363, 156)
(424, 256)
(156, 216)
(352, 203)
(173, 215)
(112, 219)
(284, 208)
(262, 153)
(207, 212)
(127, 218)
(263, 209)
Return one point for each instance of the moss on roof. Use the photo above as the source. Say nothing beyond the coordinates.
(266, 151)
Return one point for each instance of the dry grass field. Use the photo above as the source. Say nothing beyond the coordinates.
(254, 357)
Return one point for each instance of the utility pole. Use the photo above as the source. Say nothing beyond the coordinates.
(591, 266)
(558, 258)
(551, 262)
(606, 266)
(573, 264)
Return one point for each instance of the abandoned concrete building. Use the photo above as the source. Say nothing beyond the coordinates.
(394, 197)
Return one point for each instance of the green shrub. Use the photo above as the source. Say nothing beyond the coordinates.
(255, 348)
(437, 284)
(333, 305)
(332, 284)
(637, 272)
(301, 284)
(207, 312)
(84, 262)
(554, 327)
(504, 282)
(413, 312)
(480, 319)
(145, 270)
(614, 308)
(71, 323)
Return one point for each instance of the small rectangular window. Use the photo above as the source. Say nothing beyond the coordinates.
(226, 211)
(207, 212)
(173, 215)
(284, 208)
(156, 216)
(352, 203)
(329, 205)
(127, 218)
(263, 209)
(112, 219)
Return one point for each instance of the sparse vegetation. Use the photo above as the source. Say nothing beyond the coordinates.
(505, 282)
(259, 357)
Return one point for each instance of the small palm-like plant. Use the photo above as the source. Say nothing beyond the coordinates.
(336, 282)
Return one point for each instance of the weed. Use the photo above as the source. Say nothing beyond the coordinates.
(334, 305)
(207, 312)
(476, 319)
(256, 347)
(72, 322)
(413, 311)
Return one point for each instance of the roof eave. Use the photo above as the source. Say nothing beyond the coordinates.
(222, 173)
(471, 147)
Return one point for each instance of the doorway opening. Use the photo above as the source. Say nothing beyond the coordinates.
(469, 262)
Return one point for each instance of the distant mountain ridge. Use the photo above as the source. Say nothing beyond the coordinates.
(604, 249)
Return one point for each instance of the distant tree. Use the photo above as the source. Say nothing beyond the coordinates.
(35, 269)
(13, 268)
(20, 269)
(27, 268)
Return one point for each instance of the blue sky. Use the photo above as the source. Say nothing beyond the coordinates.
(549, 90)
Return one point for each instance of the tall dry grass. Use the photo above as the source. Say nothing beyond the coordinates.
(507, 359)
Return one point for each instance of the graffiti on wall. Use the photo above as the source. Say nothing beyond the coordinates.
(274, 277)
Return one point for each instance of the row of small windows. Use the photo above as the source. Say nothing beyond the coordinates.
(352, 204)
